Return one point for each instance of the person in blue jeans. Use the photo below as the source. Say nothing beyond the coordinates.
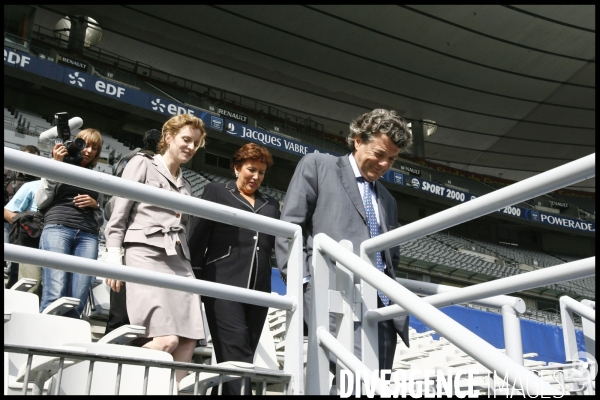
(72, 218)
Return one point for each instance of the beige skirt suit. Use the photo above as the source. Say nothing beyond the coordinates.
(155, 239)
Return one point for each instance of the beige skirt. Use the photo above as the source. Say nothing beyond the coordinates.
(163, 311)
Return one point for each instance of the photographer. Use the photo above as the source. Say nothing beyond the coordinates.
(71, 222)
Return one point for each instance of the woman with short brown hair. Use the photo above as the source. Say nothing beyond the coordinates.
(236, 256)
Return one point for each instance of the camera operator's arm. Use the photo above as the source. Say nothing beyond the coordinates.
(45, 193)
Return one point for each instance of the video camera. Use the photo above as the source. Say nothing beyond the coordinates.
(74, 147)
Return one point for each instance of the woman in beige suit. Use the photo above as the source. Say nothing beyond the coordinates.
(155, 239)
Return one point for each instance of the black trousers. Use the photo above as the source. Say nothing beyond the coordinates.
(235, 329)
(117, 314)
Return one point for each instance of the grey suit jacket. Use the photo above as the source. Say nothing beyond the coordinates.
(323, 197)
(133, 222)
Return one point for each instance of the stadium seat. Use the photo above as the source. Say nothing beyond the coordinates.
(264, 357)
(207, 380)
(24, 284)
(123, 334)
(17, 301)
(30, 329)
(61, 306)
(43, 367)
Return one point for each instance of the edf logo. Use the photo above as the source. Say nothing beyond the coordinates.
(109, 89)
(14, 58)
(170, 108)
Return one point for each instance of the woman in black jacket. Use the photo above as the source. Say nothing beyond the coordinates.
(236, 256)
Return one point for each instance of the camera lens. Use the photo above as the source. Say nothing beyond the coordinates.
(79, 143)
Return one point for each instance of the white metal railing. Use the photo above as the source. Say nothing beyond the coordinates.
(587, 310)
(483, 352)
(516, 283)
(78, 354)
(104, 183)
(589, 329)
(326, 249)
(510, 309)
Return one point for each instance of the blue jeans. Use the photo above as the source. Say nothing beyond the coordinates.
(57, 283)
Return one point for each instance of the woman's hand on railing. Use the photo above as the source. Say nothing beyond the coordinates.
(114, 256)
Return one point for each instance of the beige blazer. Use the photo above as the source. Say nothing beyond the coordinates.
(134, 222)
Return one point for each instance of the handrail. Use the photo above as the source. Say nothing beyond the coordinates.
(529, 280)
(104, 183)
(568, 306)
(516, 374)
(586, 312)
(327, 340)
(545, 182)
(88, 266)
(257, 372)
(428, 288)
(510, 308)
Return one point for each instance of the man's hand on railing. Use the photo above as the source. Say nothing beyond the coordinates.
(114, 256)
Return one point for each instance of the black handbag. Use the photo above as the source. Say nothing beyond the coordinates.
(27, 228)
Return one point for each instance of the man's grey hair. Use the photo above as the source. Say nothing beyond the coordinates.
(379, 120)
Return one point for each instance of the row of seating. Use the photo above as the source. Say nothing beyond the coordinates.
(520, 255)
(34, 123)
(23, 325)
(438, 249)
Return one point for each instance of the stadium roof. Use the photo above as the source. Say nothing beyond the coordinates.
(511, 88)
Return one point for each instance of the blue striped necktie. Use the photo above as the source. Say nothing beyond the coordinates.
(374, 229)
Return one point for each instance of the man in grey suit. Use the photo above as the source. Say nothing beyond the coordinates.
(327, 193)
